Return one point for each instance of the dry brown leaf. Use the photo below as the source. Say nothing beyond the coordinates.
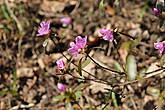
(24, 72)
(123, 53)
(110, 10)
(52, 6)
(96, 87)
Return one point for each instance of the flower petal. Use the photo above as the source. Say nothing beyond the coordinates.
(60, 64)
(81, 42)
(44, 29)
(160, 46)
(103, 31)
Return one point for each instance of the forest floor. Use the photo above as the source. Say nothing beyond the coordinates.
(28, 71)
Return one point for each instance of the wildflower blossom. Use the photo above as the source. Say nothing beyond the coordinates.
(66, 20)
(44, 29)
(60, 64)
(75, 47)
(61, 87)
(155, 11)
(160, 46)
(81, 42)
(107, 34)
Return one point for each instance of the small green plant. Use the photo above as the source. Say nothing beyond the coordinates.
(12, 88)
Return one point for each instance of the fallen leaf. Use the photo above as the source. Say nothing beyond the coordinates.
(24, 72)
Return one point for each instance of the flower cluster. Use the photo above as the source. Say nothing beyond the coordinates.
(78, 46)
(107, 34)
(160, 46)
(44, 29)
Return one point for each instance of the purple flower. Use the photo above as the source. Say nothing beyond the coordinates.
(60, 64)
(160, 46)
(73, 49)
(66, 20)
(107, 34)
(80, 44)
(61, 87)
(44, 29)
(155, 11)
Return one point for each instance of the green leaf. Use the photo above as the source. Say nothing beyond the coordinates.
(102, 5)
(5, 12)
(153, 91)
(82, 79)
(81, 86)
(59, 98)
(143, 10)
(79, 67)
(4, 92)
(131, 67)
(162, 84)
(129, 44)
(85, 63)
(162, 60)
(114, 99)
(78, 94)
(118, 66)
(14, 86)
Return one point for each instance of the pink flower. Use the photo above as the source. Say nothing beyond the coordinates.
(155, 11)
(60, 64)
(44, 29)
(73, 49)
(107, 34)
(160, 46)
(66, 20)
(80, 44)
(61, 87)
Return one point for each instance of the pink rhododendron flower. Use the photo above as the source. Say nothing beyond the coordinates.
(155, 11)
(60, 64)
(160, 46)
(66, 20)
(73, 49)
(107, 34)
(80, 44)
(44, 29)
(61, 87)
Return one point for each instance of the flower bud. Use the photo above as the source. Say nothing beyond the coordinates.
(160, 46)
(61, 87)
(155, 11)
(60, 64)
(66, 20)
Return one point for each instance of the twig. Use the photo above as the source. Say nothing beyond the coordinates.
(88, 79)
(111, 70)
(152, 73)
(133, 103)
(127, 35)
(79, 105)
(105, 106)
